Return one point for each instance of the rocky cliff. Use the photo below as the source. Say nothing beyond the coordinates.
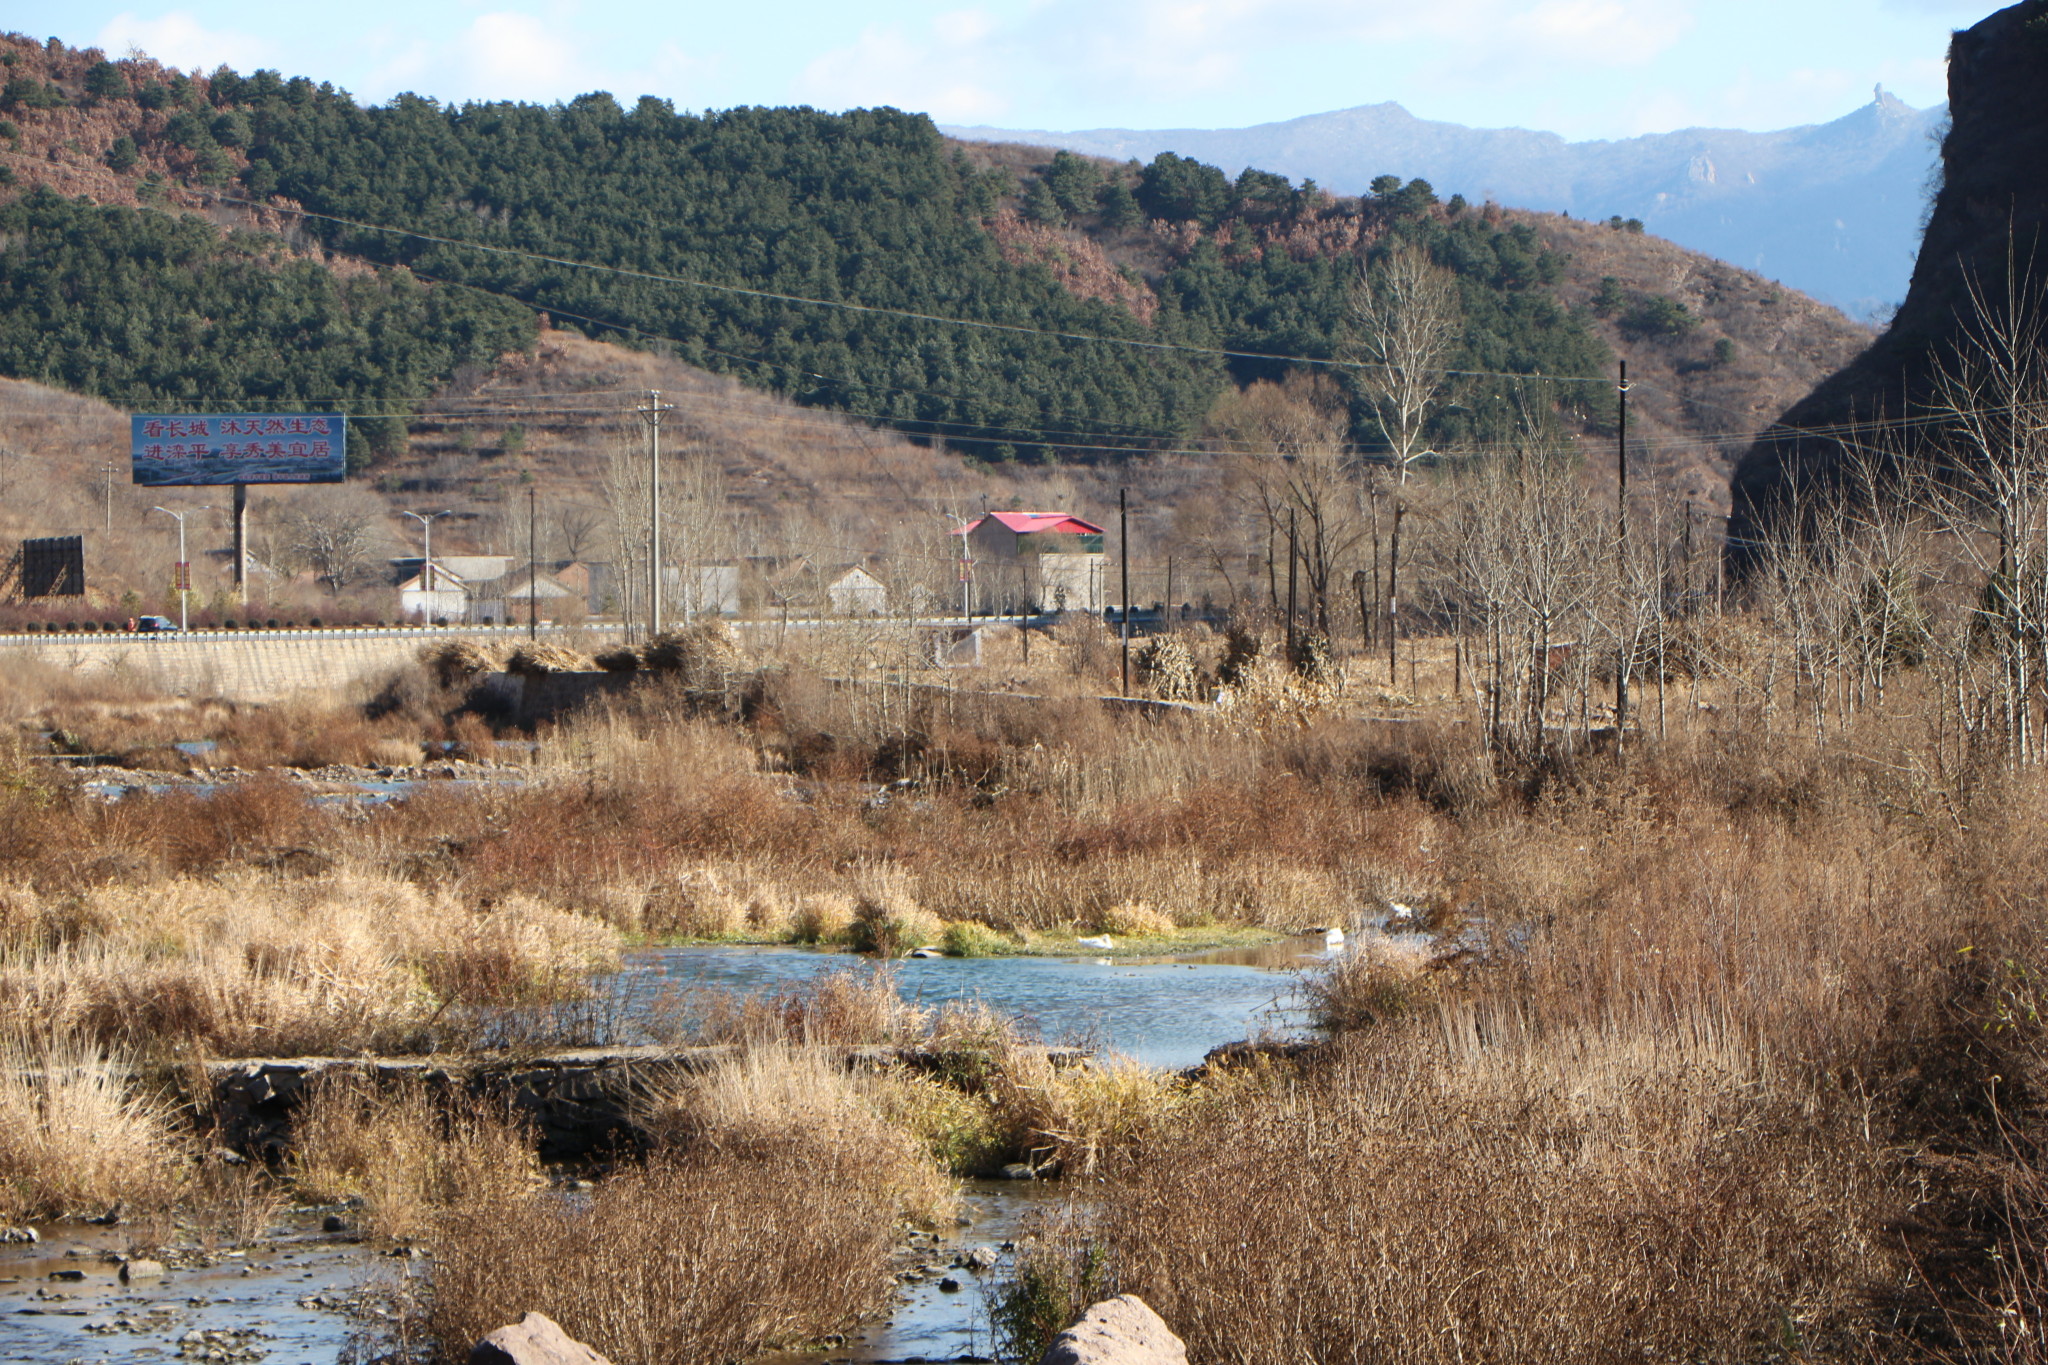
(1990, 211)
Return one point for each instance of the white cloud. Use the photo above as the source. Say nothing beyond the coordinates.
(965, 65)
(516, 54)
(942, 74)
(1605, 32)
(177, 39)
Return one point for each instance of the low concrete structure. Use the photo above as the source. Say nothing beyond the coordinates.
(582, 1102)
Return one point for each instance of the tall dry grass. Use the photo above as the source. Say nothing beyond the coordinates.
(77, 1137)
(258, 963)
(1615, 1195)
(402, 1153)
(773, 1097)
(713, 1252)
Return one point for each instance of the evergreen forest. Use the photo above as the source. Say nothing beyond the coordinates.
(705, 234)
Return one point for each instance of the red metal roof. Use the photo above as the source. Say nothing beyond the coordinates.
(1034, 523)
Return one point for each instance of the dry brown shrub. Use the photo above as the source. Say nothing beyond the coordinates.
(457, 663)
(704, 655)
(775, 1096)
(709, 1254)
(888, 922)
(1134, 919)
(401, 1151)
(822, 917)
(268, 964)
(1604, 1196)
(77, 1135)
(541, 657)
(853, 1006)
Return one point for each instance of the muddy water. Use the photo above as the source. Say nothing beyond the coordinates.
(1164, 1012)
(285, 1303)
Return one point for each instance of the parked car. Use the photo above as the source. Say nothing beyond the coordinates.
(155, 625)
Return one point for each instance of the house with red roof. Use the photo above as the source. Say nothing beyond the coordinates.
(1036, 561)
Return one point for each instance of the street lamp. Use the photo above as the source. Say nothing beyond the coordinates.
(426, 520)
(184, 574)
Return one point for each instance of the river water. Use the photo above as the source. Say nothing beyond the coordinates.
(287, 1302)
(1164, 1012)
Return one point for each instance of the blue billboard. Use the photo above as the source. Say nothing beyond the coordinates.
(182, 449)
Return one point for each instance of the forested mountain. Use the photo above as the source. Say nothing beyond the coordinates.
(160, 311)
(830, 258)
(1833, 209)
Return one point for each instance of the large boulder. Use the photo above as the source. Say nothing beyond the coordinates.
(1119, 1331)
(534, 1340)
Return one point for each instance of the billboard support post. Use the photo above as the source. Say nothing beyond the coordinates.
(242, 543)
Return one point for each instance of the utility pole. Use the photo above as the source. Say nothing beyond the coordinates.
(182, 578)
(1123, 535)
(1394, 595)
(532, 566)
(107, 494)
(426, 521)
(652, 412)
(1627, 659)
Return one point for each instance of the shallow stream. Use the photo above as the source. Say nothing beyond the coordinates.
(1163, 1011)
(287, 1302)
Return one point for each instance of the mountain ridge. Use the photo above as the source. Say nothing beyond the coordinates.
(1832, 209)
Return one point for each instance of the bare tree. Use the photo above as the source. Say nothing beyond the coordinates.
(335, 532)
(576, 527)
(1298, 479)
(1405, 321)
(1991, 395)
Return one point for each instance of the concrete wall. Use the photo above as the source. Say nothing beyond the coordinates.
(253, 667)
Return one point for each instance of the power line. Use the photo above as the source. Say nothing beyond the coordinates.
(844, 305)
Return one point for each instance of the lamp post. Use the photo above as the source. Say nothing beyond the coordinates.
(426, 520)
(183, 577)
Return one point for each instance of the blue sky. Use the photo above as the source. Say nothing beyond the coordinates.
(1584, 68)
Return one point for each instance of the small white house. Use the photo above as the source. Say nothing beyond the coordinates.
(433, 594)
(856, 592)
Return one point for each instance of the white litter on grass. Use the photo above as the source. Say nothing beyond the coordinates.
(1102, 941)
(1399, 913)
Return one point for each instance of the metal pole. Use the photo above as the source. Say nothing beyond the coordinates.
(532, 567)
(426, 521)
(652, 412)
(181, 578)
(1394, 596)
(1123, 535)
(653, 513)
(1626, 659)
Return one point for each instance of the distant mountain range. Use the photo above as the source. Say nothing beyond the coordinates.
(1832, 209)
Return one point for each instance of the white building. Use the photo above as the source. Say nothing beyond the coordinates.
(1036, 561)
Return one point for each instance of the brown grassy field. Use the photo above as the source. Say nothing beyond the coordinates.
(1733, 1032)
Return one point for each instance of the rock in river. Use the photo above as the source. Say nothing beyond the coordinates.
(534, 1340)
(1119, 1331)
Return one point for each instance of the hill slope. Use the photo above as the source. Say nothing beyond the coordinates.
(1831, 209)
(1095, 298)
